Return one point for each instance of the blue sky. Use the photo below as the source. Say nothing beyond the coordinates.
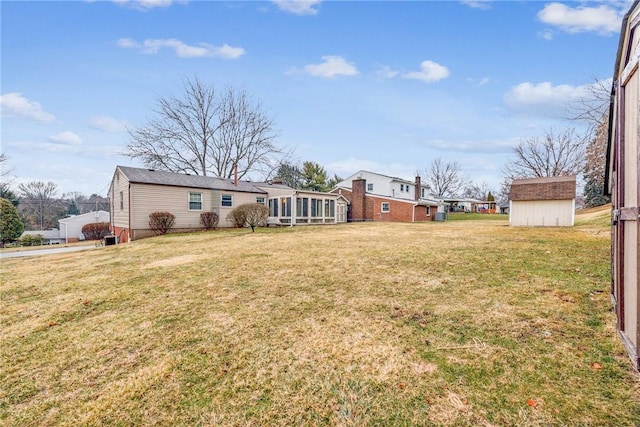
(385, 86)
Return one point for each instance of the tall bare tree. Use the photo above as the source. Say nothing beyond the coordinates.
(445, 178)
(206, 132)
(592, 108)
(38, 204)
(554, 154)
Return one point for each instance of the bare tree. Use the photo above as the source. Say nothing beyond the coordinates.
(206, 133)
(478, 191)
(445, 179)
(555, 154)
(39, 205)
(593, 106)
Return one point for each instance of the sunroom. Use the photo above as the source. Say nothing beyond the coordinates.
(306, 208)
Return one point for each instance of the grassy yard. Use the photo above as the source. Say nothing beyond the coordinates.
(454, 323)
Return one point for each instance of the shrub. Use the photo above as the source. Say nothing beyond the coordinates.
(250, 214)
(96, 230)
(30, 240)
(11, 226)
(161, 222)
(209, 220)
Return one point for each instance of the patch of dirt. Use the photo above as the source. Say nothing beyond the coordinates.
(172, 262)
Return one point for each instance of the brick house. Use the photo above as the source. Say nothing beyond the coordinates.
(403, 204)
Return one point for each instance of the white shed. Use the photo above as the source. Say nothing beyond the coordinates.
(71, 227)
(543, 202)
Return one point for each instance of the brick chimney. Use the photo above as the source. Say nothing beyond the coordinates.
(418, 187)
(359, 200)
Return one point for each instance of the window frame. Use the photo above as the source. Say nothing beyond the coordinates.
(382, 207)
(189, 201)
(370, 186)
(261, 200)
(229, 202)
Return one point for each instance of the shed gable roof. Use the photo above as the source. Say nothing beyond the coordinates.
(552, 188)
(157, 177)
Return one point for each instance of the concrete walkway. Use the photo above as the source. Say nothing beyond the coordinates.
(16, 254)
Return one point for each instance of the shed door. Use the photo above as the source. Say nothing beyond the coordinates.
(626, 200)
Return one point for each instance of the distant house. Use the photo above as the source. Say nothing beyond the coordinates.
(135, 193)
(49, 237)
(623, 184)
(71, 227)
(542, 202)
(377, 197)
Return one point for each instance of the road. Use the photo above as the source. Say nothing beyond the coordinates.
(5, 255)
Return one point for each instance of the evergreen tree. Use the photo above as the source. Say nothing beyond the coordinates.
(314, 177)
(11, 227)
(73, 209)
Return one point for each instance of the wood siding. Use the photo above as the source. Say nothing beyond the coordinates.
(624, 185)
(541, 213)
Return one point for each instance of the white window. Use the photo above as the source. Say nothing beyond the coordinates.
(428, 210)
(195, 201)
(369, 187)
(423, 192)
(260, 200)
(226, 200)
(385, 207)
(401, 188)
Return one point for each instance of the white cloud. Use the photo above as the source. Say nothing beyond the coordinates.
(546, 34)
(602, 19)
(331, 67)
(386, 72)
(14, 104)
(479, 82)
(183, 50)
(144, 4)
(472, 146)
(66, 138)
(298, 7)
(546, 100)
(477, 4)
(429, 72)
(108, 124)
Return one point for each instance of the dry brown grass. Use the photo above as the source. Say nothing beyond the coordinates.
(457, 323)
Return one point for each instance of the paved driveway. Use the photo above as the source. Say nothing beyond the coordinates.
(5, 255)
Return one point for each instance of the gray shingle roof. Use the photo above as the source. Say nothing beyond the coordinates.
(157, 177)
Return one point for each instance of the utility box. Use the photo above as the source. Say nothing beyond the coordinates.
(440, 216)
(110, 240)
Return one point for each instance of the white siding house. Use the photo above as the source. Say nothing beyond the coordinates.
(135, 193)
(388, 186)
(71, 228)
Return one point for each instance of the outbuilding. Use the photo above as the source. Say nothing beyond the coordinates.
(543, 202)
(623, 180)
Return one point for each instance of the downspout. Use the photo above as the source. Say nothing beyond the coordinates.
(130, 209)
(414, 214)
(293, 211)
